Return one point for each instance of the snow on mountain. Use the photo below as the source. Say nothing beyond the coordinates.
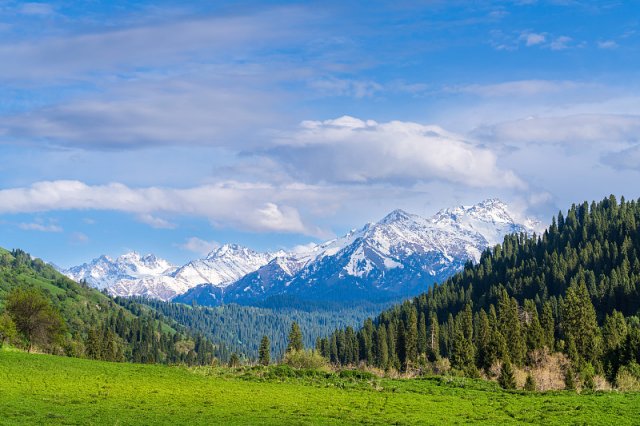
(104, 271)
(223, 266)
(400, 255)
(148, 276)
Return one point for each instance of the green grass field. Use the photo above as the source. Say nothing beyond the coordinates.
(42, 389)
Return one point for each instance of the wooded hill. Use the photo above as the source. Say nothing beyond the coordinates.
(42, 309)
(574, 289)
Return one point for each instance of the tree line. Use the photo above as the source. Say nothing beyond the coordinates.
(574, 289)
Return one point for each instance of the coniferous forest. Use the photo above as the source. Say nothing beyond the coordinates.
(574, 290)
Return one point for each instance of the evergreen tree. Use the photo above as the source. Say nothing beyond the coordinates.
(433, 336)
(264, 353)
(411, 339)
(530, 383)
(580, 324)
(295, 338)
(506, 378)
(382, 347)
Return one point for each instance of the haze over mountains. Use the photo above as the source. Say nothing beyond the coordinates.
(401, 255)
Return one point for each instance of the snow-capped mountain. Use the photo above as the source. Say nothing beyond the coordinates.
(401, 255)
(132, 275)
(104, 272)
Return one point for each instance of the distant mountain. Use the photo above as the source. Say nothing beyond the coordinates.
(149, 276)
(401, 255)
(104, 272)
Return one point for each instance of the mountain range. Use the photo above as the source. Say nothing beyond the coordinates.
(398, 256)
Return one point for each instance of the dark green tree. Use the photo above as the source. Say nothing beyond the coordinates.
(264, 353)
(295, 338)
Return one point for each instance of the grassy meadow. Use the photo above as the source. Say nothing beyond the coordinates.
(43, 389)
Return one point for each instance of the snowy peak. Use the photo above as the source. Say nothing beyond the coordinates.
(103, 272)
(395, 216)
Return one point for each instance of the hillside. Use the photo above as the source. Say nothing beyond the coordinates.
(575, 289)
(41, 389)
(92, 324)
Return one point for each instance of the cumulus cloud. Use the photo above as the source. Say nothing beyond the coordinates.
(199, 246)
(350, 150)
(248, 206)
(573, 129)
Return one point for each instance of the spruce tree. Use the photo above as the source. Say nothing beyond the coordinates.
(580, 324)
(530, 383)
(295, 338)
(264, 352)
(506, 378)
(433, 336)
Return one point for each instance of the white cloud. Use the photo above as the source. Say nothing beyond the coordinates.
(573, 129)
(155, 222)
(197, 111)
(197, 245)
(516, 88)
(249, 206)
(607, 44)
(147, 45)
(41, 227)
(532, 39)
(346, 87)
(350, 150)
(560, 43)
(78, 238)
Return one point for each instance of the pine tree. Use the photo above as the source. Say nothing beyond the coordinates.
(506, 378)
(382, 348)
(422, 334)
(548, 326)
(295, 338)
(530, 383)
(580, 324)
(264, 352)
(411, 339)
(433, 336)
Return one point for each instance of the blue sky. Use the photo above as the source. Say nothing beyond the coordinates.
(171, 127)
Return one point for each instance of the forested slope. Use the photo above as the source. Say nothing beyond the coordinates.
(42, 309)
(574, 289)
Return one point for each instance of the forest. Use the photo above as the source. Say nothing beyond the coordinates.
(573, 291)
(41, 308)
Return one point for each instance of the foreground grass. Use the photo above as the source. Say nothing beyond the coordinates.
(41, 389)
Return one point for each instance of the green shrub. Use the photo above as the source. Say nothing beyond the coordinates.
(628, 377)
(305, 359)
